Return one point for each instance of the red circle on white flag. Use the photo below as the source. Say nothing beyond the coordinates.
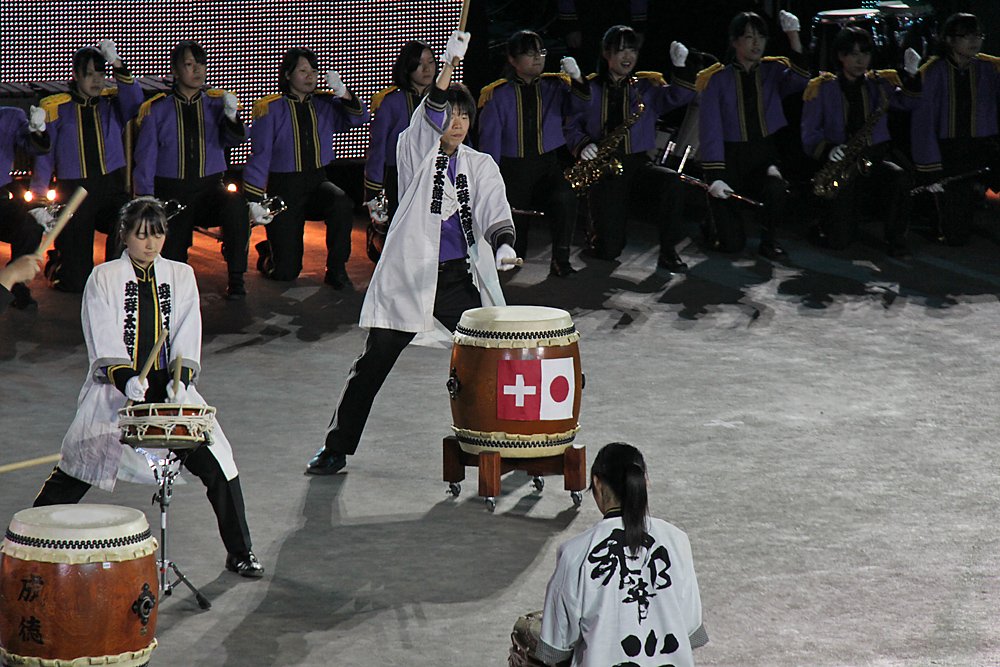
(559, 389)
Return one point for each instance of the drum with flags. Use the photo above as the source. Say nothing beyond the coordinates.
(515, 381)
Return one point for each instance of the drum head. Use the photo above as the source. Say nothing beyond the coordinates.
(846, 15)
(516, 318)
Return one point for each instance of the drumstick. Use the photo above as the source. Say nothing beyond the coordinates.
(465, 15)
(67, 213)
(516, 261)
(177, 374)
(150, 360)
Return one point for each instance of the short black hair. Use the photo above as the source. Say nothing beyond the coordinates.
(955, 25)
(852, 36)
(177, 53)
(84, 57)
(459, 96)
(290, 61)
(142, 213)
(407, 62)
(524, 41)
(738, 26)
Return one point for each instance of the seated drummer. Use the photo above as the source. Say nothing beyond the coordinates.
(453, 206)
(127, 304)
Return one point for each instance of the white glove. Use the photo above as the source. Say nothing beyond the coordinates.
(589, 152)
(42, 217)
(774, 172)
(911, 61)
(230, 105)
(719, 189)
(36, 119)
(678, 54)
(837, 154)
(789, 21)
(180, 396)
(936, 188)
(336, 84)
(505, 252)
(569, 66)
(109, 50)
(456, 47)
(136, 390)
(259, 215)
(376, 212)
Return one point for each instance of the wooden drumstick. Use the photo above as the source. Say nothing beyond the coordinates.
(465, 15)
(177, 374)
(516, 261)
(67, 213)
(150, 360)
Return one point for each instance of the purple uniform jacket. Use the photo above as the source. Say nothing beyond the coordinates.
(934, 119)
(115, 108)
(720, 111)
(650, 88)
(391, 111)
(274, 145)
(557, 102)
(824, 114)
(158, 148)
(14, 135)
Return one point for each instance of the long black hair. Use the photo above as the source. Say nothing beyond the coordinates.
(617, 38)
(290, 61)
(407, 62)
(144, 214)
(621, 468)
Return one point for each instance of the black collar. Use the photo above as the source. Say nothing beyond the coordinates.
(143, 275)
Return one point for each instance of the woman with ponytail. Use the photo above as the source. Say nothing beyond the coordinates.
(625, 591)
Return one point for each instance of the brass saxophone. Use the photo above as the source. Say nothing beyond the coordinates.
(835, 175)
(584, 173)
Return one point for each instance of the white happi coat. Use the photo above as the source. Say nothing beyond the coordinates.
(402, 289)
(91, 450)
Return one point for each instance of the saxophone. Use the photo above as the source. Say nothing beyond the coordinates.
(584, 173)
(835, 175)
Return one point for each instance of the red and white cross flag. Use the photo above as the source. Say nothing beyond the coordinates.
(535, 389)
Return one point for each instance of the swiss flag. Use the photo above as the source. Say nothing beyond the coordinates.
(535, 389)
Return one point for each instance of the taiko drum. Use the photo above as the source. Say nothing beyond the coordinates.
(78, 583)
(515, 381)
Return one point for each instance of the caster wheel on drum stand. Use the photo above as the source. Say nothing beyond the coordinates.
(491, 504)
(538, 483)
(577, 498)
(454, 488)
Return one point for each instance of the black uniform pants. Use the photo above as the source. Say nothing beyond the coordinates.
(746, 173)
(207, 204)
(611, 202)
(957, 204)
(308, 195)
(226, 497)
(455, 294)
(74, 257)
(17, 227)
(538, 181)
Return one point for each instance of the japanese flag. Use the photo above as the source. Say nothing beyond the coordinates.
(535, 389)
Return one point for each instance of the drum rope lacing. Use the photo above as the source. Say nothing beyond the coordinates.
(48, 543)
(515, 335)
(514, 444)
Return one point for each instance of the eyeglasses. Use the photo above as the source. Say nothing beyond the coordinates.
(972, 36)
(536, 54)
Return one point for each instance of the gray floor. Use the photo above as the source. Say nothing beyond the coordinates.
(823, 429)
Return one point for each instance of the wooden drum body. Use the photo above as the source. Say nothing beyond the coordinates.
(166, 425)
(78, 585)
(515, 381)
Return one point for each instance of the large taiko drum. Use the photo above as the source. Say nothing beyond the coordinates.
(515, 381)
(78, 583)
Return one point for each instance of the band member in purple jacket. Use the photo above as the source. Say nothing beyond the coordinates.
(521, 126)
(86, 129)
(615, 96)
(181, 155)
(836, 109)
(291, 143)
(739, 112)
(18, 131)
(955, 129)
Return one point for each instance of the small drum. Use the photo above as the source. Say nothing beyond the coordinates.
(826, 25)
(78, 583)
(166, 425)
(515, 381)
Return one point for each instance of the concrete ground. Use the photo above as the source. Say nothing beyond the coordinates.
(824, 429)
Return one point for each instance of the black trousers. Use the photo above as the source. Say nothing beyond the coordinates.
(957, 204)
(17, 227)
(455, 294)
(73, 261)
(538, 181)
(207, 204)
(226, 497)
(612, 203)
(308, 195)
(746, 173)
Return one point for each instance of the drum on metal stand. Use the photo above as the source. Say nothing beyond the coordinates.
(826, 25)
(78, 585)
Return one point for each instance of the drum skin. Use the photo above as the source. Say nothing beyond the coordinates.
(153, 424)
(104, 611)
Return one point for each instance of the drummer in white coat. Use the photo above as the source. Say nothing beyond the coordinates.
(452, 214)
(127, 303)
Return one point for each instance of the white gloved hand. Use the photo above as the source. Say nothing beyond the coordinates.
(109, 50)
(936, 188)
(719, 189)
(789, 22)
(336, 84)
(569, 66)
(376, 211)
(230, 105)
(259, 215)
(589, 152)
(136, 390)
(36, 119)
(180, 396)
(456, 47)
(43, 217)
(837, 154)
(774, 172)
(505, 252)
(911, 61)
(678, 54)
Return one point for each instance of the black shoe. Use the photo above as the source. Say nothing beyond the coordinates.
(561, 268)
(337, 278)
(771, 250)
(263, 255)
(898, 250)
(326, 463)
(22, 297)
(671, 261)
(245, 566)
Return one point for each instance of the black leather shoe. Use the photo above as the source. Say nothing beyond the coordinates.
(771, 250)
(561, 269)
(245, 566)
(337, 278)
(671, 261)
(898, 250)
(22, 297)
(263, 255)
(326, 463)
(237, 289)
